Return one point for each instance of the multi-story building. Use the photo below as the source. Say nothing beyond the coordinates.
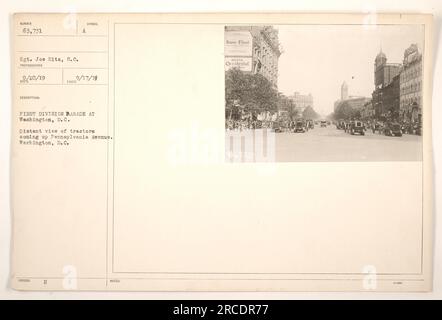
(344, 95)
(357, 103)
(354, 102)
(384, 94)
(384, 72)
(301, 101)
(390, 98)
(411, 85)
(253, 49)
(344, 91)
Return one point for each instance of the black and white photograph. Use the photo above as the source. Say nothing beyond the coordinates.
(323, 92)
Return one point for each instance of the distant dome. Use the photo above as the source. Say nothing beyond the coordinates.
(381, 55)
(381, 58)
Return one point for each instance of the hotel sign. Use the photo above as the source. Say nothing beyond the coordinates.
(238, 43)
(242, 63)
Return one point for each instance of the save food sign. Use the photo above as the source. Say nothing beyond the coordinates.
(238, 50)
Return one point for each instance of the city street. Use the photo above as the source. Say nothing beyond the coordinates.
(263, 90)
(331, 144)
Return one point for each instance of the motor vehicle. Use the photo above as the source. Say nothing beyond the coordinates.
(278, 126)
(377, 127)
(340, 125)
(393, 130)
(357, 127)
(300, 126)
(323, 123)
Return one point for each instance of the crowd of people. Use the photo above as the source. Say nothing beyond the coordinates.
(248, 124)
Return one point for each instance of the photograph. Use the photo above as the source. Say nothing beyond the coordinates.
(323, 92)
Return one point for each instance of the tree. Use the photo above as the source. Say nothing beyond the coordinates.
(309, 113)
(345, 111)
(234, 85)
(261, 93)
(252, 93)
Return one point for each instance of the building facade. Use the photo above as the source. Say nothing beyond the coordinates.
(344, 91)
(355, 104)
(253, 49)
(391, 96)
(385, 97)
(411, 85)
(384, 72)
(301, 101)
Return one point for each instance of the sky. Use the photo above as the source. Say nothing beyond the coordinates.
(316, 59)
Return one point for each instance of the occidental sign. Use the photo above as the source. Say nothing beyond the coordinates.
(242, 63)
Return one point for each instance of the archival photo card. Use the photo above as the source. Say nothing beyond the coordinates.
(221, 152)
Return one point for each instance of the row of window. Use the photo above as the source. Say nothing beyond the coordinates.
(265, 56)
(267, 71)
(410, 88)
(411, 73)
(410, 101)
